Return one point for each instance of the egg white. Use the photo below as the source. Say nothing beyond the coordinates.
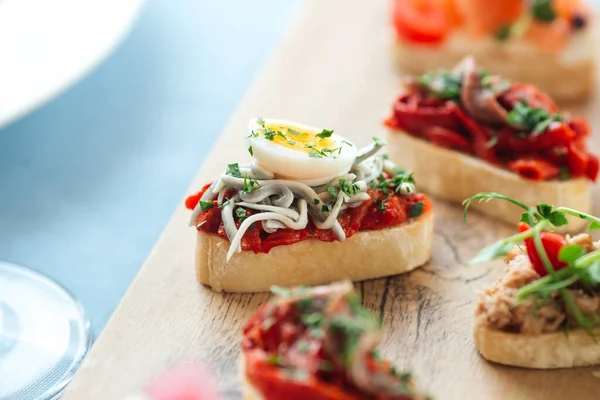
(297, 164)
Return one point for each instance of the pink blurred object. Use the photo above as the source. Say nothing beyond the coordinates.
(184, 382)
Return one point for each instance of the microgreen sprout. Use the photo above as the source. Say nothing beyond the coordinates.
(578, 266)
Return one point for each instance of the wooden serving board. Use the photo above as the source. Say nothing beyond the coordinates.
(334, 70)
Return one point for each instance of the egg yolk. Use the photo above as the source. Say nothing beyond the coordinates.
(299, 139)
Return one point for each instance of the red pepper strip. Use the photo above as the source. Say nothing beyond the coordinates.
(448, 139)
(577, 160)
(481, 136)
(210, 220)
(413, 116)
(552, 243)
(580, 127)
(192, 201)
(528, 93)
(592, 167)
(535, 169)
(557, 134)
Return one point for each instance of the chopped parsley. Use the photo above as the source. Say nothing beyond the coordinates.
(534, 120)
(293, 132)
(233, 170)
(543, 11)
(225, 203)
(324, 209)
(316, 201)
(260, 121)
(315, 152)
(249, 184)
(251, 151)
(325, 133)
(312, 320)
(560, 151)
(416, 209)
(269, 134)
(281, 291)
(394, 183)
(503, 33)
(442, 84)
(378, 141)
(333, 191)
(565, 174)
(348, 188)
(241, 214)
(381, 205)
(274, 359)
(206, 205)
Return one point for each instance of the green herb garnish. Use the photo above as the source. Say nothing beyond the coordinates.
(249, 184)
(225, 203)
(251, 151)
(350, 189)
(534, 120)
(416, 209)
(325, 133)
(543, 11)
(503, 33)
(281, 291)
(205, 205)
(333, 191)
(233, 170)
(581, 266)
(443, 84)
(378, 141)
(241, 214)
(293, 132)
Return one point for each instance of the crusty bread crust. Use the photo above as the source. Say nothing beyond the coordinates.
(552, 350)
(455, 176)
(365, 255)
(566, 77)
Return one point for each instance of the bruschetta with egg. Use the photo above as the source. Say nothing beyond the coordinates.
(310, 208)
(545, 312)
(549, 43)
(463, 131)
(320, 344)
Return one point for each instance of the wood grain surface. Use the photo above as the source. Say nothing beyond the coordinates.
(334, 71)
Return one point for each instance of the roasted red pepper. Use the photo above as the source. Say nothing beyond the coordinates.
(552, 243)
(559, 151)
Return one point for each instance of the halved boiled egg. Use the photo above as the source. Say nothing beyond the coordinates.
(299, 152)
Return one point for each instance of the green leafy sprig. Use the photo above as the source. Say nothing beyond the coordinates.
(581, 266)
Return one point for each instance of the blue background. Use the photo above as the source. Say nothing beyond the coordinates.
(88, 182)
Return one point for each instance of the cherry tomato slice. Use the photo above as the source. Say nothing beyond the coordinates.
(552, 243)
(421, 21)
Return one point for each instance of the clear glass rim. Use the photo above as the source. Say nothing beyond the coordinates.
(54, 392)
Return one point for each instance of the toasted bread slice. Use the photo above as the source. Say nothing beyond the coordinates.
(455, 176)
(567, 76)
(575, 348)
(365, 255)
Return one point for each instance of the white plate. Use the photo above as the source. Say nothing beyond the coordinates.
(47, 45)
